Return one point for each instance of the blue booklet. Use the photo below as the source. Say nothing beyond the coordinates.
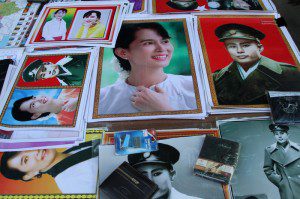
(137, 141)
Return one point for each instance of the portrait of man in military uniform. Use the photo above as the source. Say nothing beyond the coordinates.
(246, 80)
(282, 163)
(170, 167)
(69, 70)
(158, 167)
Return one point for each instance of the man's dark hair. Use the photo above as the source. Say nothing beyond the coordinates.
(23, 115)
(62, 9)
(89, 13)
(127, 35)
(7, 172)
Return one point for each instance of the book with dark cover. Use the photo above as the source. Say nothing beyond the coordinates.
(127, 182)
(217, 159)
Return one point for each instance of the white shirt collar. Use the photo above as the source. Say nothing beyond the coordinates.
(244, 74)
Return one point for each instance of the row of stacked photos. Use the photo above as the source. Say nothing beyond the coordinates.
(71, 70)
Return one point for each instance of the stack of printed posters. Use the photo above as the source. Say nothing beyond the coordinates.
(46, 99)
(240, 61)
(78, 23)
(118, 93)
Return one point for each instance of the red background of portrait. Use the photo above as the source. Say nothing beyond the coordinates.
(44, 82)
(108, 28)
(274, 45)
(161, 6)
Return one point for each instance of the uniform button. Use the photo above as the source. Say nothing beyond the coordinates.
(298, 165)
(289, 177)
(298, 176)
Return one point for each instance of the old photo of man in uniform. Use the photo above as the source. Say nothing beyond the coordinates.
(246, 80)
(265, 168)
(282, 163)
(171, 168)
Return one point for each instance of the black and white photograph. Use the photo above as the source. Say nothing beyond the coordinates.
(171, 168)
(285, 107)
(269, 161)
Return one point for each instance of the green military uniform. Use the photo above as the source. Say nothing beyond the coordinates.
(232, 89)
(70, 73)
(270, 75)
(282, 168)
(77, 67)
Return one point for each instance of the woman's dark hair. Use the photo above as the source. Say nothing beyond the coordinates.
(89, 13)
(10, 173)
(20, 115)
(62, 9)
(127, 35)
(7, 172)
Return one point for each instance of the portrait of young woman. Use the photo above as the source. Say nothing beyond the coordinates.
(153, 71)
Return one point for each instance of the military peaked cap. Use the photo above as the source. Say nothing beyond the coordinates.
(238, 31)
(30, 72)
(165, 154)
(277, 127)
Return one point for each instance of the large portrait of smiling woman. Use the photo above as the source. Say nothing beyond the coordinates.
(152, 72)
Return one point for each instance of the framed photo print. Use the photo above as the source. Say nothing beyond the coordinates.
(178, 6)
(55, 178)
(151, 74)
(246, 5)
(179, 157)
(49, 90)
(268, 165)
(244, 56)
(77, 24)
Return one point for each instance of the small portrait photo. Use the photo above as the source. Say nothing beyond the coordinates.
(42, 107)
(150, 71)
(54, 70)
(235, 4)
(171, 168)
(246, 56)
(90, 24)
(56, 25)
(175, 6)
(270, 168)
(51, 170)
